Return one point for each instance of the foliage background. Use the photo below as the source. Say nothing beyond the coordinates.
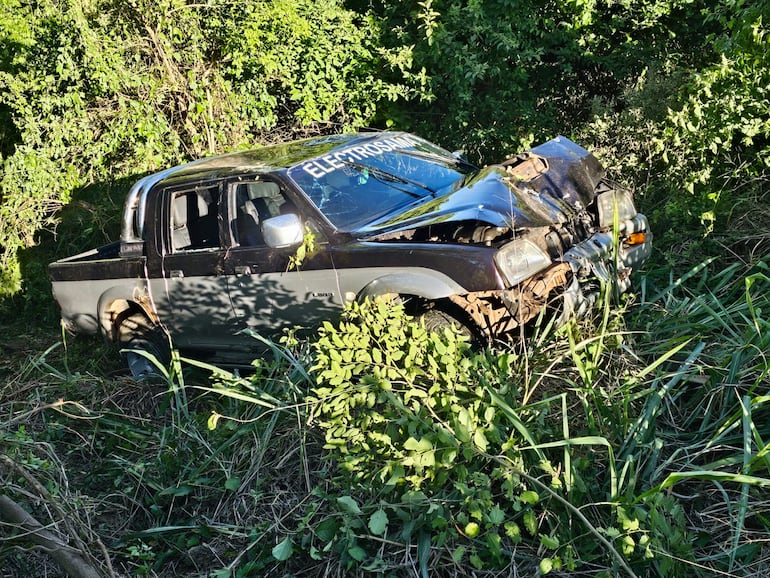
(672, 95)
(92, 91)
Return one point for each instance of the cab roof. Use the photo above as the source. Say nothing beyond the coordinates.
(272, 158)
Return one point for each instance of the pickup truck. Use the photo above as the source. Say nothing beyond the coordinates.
(286, 235)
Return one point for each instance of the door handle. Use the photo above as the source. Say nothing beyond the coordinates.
(176, 274)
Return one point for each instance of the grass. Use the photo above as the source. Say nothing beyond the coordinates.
(655, 424)
(718, 415)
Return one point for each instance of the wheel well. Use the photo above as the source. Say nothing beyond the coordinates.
(115, 316)
(417, 306)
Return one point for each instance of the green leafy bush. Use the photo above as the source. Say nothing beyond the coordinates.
(500, 74)
(408, 415)
(441, 451)
(391, 388)
(691, 133)
(91, 91)
(717, 140)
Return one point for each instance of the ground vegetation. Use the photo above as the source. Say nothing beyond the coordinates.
(627, 444)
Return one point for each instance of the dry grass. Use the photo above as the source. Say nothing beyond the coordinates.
(100, 462)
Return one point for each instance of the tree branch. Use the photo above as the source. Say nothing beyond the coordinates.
(68, 558)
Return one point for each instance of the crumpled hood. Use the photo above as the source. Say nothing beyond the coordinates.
(541, 187)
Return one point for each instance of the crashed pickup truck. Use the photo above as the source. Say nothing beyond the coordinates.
(213, 247)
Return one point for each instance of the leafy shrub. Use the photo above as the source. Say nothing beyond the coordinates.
(402, 414)
(93, 91)
(377, 366)
(692, 136)
(717, 140)
(499, 74)
(440, 451)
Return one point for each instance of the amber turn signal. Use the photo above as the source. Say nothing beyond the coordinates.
(636, 238)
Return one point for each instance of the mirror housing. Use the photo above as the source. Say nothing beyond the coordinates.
(283, 231)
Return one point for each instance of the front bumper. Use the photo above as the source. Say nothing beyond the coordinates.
(571, 284)
(596, 262)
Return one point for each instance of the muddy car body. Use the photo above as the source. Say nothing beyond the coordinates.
(211, 247)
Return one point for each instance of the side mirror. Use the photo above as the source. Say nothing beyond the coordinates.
(282, 231)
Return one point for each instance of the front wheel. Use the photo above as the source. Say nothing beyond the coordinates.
(438, 319)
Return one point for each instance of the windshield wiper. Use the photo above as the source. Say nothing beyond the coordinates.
(384, 175)
(453, 160)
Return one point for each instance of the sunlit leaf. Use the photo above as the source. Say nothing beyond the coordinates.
(284, 550)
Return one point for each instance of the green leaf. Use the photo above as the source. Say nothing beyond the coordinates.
(529, 497)
(480, 440)
(513, 531)
(348, 505)
(627, 545)
(423, 553)
(182, 490)
(414, 498)
(546, 565)
(496, 516)
(551, 542)
(424, 445)
(327, 529)
(233, 484)
(530, 522)
(378, 523)
(284, 550)
(357, 553)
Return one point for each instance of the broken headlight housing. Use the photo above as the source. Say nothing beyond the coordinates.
(519, 260)
(619, 200)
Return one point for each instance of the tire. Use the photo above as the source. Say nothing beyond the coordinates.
(438, 319)
(145, 346)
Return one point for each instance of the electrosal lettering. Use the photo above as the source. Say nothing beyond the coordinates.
(336, 160)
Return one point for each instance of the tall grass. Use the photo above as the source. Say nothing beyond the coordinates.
(711, 417)
(135, 472)
(644, 431)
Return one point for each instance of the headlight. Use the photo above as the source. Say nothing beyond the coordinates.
(619, 200)
(519, 260)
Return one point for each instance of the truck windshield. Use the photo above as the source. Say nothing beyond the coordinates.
(355, 185)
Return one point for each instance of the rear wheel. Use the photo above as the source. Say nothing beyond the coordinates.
(145, 346)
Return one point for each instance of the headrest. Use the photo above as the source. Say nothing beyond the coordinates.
(263, 190)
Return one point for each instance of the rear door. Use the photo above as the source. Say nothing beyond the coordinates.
(191, 292)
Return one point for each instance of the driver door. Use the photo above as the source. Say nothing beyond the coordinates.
(267, 293)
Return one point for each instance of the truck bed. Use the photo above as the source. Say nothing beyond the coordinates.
(103, 262)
